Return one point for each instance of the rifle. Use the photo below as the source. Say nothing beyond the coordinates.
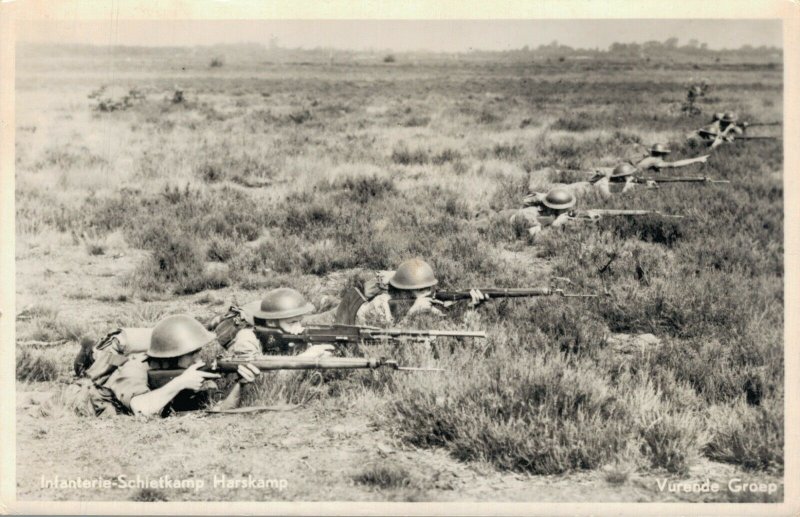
(274, 340)
(671, 179)
(754, 124)
(158, 378)
(593, 214)
(502, 292)
(353, 298)
(748, 137)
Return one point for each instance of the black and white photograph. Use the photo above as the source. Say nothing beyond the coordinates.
(418, 261)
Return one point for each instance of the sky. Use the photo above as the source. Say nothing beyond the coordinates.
(400, 35)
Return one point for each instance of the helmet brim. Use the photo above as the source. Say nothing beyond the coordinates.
(399, 285)
(559, 206)
(282, 315)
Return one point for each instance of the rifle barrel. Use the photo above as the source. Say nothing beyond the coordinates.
(385, 333)
(494, 292)
(676, 180)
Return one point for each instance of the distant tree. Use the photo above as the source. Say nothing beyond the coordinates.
(389, 58)
(671, 43)
(216, 62)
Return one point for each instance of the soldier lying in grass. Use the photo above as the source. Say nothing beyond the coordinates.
(555, 209)
(176, 342)
(392, 297)
(282, 309)
(723, 129)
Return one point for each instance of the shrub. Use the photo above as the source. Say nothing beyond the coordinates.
(216, 62)
(221, 249)
(671, 441)
(445, 156)
(574, 122)
(365, 188)
(748, 436)
(176, 259)
(487, 116)
(389, 58)
(649, 228)
(34, 367)
(402, 155)
(383, 476)
(543, 416)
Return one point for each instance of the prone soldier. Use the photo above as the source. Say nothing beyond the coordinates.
(722, 129)
(556, 210)
(175, 342)
(282, 308)
(393, 297)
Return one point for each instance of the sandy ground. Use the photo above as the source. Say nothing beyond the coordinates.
(318, 450)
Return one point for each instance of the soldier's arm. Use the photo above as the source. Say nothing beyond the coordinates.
(153, 402)
(688, 161)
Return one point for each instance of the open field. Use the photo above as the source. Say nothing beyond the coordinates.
(133, 204)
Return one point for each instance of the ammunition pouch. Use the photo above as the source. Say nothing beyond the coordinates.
(231, 324)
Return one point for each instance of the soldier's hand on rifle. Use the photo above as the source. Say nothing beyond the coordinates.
(425, 304)
(193, 379)
(247, 373)
(477, 297)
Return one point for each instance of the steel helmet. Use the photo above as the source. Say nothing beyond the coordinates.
(718, 116)
(178, 335)
(660, 149)
(559, 199)
(729, 117)
(622, 170)
(413, 274)
(283, 303)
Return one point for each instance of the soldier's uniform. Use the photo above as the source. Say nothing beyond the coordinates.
(110, 386)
